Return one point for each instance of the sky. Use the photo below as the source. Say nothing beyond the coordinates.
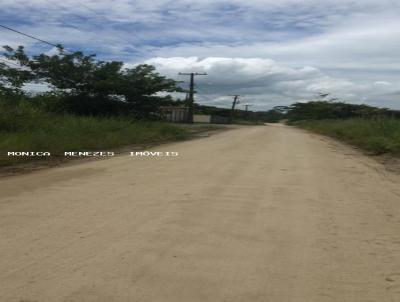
(271, 52)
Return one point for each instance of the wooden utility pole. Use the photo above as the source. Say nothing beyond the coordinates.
(247, 110)
(235, 101)
(190, 101)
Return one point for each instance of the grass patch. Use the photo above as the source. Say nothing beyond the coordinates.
(23, 128)
(377, 136)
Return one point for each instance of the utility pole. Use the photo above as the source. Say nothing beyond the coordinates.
(247, 110)
(235, 101)
(190, 101)
(247, 107)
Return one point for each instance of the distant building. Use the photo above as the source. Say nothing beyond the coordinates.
(175, 114)
(201, 118)
(210, 119)
(180, 114)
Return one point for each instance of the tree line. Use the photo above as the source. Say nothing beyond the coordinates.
(81, 84)
(322, 109)
(84, 85)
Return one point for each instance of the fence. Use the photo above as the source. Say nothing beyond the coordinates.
(175, 114)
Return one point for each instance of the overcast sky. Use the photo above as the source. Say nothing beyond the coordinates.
(273, 52)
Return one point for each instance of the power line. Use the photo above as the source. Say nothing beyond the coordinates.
(92, 10)
(97, 15)
(80, 15)
(29, 36)
(122, 39)
(43, 41)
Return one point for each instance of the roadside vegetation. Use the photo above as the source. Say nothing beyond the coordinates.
(26, 128)
(89, 105)
(375, 135)
(373, 129)
(242, 117)
(86, 104)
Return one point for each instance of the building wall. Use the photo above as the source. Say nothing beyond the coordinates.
(175, 114)
(201, 118)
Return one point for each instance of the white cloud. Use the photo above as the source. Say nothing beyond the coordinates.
(263, 82)
(382, 83)
(275, 51)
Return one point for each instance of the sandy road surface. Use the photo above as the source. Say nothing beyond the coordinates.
(253, 214)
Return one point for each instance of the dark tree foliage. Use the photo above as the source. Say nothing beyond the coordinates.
(318, 110)
(211, 110)
(86, 85)
(270, 116)
(12, 80)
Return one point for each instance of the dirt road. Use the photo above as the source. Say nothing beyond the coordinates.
(254, 214)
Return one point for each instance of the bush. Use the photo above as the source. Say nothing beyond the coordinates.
(375, 135)
(318, 110)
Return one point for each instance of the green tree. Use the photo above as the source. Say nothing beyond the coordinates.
(90, 86)
(12, 79)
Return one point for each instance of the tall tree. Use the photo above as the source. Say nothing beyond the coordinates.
(13, 77)
(91, 86)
